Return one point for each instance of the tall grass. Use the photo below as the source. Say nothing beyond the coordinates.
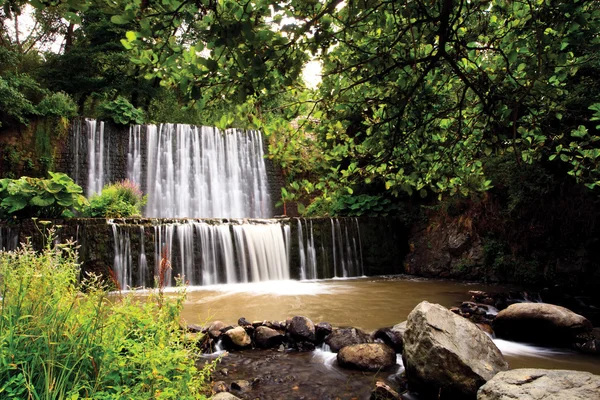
(60, 339)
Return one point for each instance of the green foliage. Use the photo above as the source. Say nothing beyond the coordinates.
(13, 103)
(57, 104)
(121, 112)
(119, 200)
(55, 197)
(57, 342)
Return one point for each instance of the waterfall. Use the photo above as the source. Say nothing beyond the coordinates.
(212, 251)
(97, 168)
(307, 251)
(203, 172)
(134, 156)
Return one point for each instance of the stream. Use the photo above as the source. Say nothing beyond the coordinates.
(366, 303)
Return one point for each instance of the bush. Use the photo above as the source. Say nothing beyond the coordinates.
(120, 200)
(28, 197)
(57, 342)
(57, 104)
(121, 112)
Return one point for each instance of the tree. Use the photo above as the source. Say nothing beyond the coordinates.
(415, 95)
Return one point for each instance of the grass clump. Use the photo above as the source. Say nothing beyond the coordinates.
(58, 341)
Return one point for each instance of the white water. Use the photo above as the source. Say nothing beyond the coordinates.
(509, 348)
(210, 252)
(203, 172)
(134, 156)
(96, 160)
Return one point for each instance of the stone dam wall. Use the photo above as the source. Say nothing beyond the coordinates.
(383, 242)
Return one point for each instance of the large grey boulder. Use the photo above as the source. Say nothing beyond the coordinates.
(367, 357)
(547, 384)
(342, 337)
(447, 354)
(540, 323)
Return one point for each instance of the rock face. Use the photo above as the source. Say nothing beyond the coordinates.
(340, 338)
(302, 329)
(446, 353)
(367, 357)
(266, 337)
(540, 323)
(533, 384)
(237, 338)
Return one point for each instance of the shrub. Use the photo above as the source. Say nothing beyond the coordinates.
(57, 104)
(120, 200)
(121, 112)
(58, 342)
(57, 196)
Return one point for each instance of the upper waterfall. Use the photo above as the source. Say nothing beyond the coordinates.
(186, 171)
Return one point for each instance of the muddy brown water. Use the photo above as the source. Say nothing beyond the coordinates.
(366, 303)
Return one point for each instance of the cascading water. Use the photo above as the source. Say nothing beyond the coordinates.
(208, 252)
(97, 166)
(200, 172)
(203, 172)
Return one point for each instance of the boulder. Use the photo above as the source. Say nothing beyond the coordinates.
(322, 330)
(266, 337)
(447, 354)
(367, 357)
(244, 322)
(390, 336)
(343, 337)
(302, 329)
(540, 323)
(237, 338)
(214, 330)
(533, 384)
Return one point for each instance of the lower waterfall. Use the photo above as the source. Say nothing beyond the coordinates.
(204, 252)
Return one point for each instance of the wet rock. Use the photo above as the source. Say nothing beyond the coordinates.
(444, 353)
(224, 396)
(302, 329)
(533, 384)
(322, 329)
(275, 325)
(236, 338)
(256, 324)
(214, 330)
(219, 387)
(367, 357)
(343, 337)
(384, 392)
(244, 322)
(266, 337)
(224, 371)
(241, 385)
(590, 343)
(305, 346)
(390, 336)
(540, 323)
